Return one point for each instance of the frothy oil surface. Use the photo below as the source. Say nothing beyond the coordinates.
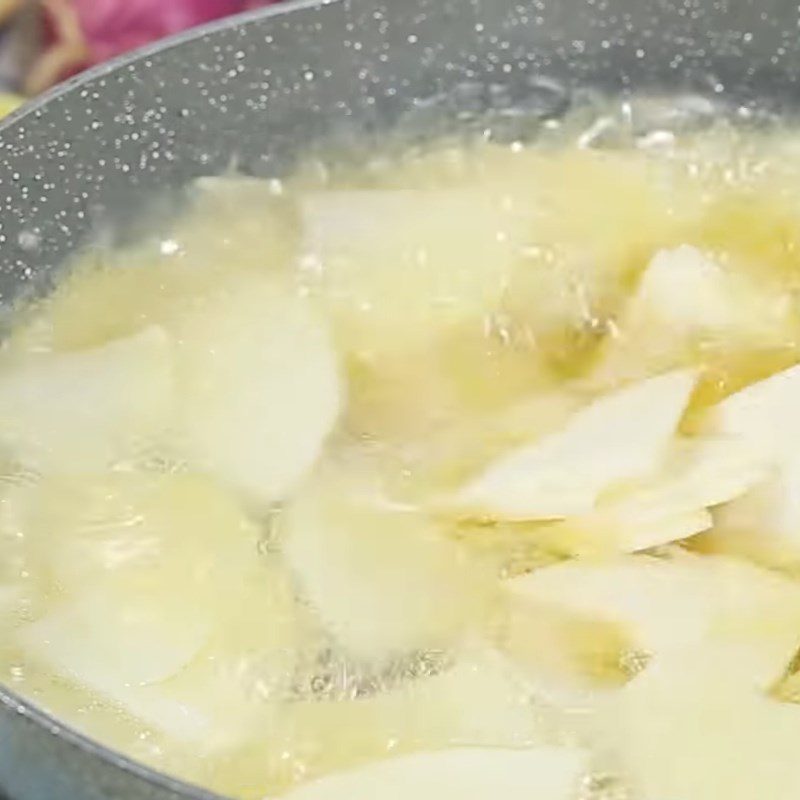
(337, 468)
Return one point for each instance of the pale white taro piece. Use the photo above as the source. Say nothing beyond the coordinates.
(574, 658)
(628, 527)
(684, 299)
(619, 437)
(663, 603)
(84, 410)
(383, 580)
(682, 604)
(706, 471)
(764, 414)
(160, 657)
(236, 684)
(395, 267)
(164, 608)
(148, 531)
(690, 727)
(772, 508)
(109, 640)
(687, 288)
(674, 503)
(690, 292)
(546, 773)
(764, 523)
(260, 387)
(129, 651)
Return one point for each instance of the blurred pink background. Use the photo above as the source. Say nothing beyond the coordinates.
(45, 41)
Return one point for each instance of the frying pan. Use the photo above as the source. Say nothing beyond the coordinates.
(262, 89)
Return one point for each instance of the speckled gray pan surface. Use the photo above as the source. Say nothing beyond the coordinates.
(264, 88)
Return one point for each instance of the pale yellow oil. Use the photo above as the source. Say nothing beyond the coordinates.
(444, 371)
